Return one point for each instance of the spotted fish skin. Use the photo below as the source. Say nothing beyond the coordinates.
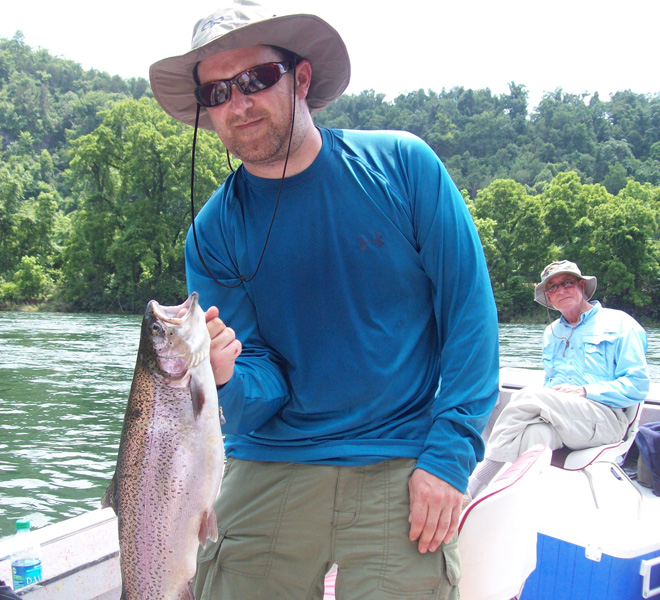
(170, 457)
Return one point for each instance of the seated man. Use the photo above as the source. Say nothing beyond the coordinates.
(595, 366)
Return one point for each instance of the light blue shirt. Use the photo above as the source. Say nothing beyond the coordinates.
(605, 353)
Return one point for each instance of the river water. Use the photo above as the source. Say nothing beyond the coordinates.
(64, 383)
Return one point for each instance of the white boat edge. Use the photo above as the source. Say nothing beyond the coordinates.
(80, 559)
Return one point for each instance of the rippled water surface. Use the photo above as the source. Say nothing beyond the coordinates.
(64, 382)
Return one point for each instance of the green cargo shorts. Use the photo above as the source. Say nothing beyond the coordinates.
(282, 526)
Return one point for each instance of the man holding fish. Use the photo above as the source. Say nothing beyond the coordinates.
(353, 327)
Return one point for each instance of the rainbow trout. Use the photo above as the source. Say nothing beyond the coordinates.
(170, 457)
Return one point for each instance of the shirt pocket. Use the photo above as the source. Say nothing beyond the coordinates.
(599, 355)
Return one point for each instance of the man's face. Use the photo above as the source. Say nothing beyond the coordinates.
(254, 127)
(565, 292)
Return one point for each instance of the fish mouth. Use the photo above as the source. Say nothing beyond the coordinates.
(174, 315)
(182, 342)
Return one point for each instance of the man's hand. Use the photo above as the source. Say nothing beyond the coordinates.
(567, 388)
(435, 508)
(225, 348)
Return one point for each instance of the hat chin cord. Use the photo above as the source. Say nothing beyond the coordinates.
(242, 278)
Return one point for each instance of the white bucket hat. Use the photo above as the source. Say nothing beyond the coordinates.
(243, 24)
(559, 268)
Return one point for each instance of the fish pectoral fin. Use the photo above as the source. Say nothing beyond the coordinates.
(110, 496)
(186, 594)
(208, 528)
(197, 396)
(181, 383)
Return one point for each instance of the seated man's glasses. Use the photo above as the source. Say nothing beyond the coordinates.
(249, 81)
(567, 283)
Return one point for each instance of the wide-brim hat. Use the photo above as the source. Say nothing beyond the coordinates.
(559, 268)
(245, 24)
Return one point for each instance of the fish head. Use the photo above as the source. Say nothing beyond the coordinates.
(176, 336)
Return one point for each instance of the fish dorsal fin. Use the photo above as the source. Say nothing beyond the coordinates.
(110, 496)
(196, 396)
(208, 528)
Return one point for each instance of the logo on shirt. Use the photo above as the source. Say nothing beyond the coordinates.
(376, 240)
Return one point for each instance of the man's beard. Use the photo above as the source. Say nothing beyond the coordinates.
(269, 147)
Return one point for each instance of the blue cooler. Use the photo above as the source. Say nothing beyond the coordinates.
(599, 538)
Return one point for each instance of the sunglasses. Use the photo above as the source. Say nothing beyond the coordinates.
(567, 283)
(249, 81)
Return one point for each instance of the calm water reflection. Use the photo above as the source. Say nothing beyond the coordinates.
(64, 382)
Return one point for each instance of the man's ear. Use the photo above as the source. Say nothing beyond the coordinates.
(303, 78)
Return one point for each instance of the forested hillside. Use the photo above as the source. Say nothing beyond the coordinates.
(481, 137)
(94, 184)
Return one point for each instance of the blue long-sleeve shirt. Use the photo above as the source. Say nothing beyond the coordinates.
(605, 353)
(370, 330)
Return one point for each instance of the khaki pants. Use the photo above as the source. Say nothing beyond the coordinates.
(544, 416)
(283, 525)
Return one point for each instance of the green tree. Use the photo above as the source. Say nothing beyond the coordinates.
(624, 250)
(132, 175)
(568, 214)
(14, 179)
(512, 231)
(30, 283)
(563, 126)
(616, 178)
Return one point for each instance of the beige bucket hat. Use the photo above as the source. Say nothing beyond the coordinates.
(559, 268)
(242, 24)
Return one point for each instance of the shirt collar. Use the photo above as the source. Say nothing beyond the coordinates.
(585, 315)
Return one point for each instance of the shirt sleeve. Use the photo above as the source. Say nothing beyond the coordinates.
(466, 317)
(258, 389)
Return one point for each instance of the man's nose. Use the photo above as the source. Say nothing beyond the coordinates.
(238, 100)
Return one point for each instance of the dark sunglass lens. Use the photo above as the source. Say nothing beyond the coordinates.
(259, 78)
(268, 74)
(249, 82)
(212, 94)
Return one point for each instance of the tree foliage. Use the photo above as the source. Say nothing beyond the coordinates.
(482, 137)
(94, 184)
(612, 237)
(131, 176)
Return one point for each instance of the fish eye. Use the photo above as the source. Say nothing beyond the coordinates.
(156, 329)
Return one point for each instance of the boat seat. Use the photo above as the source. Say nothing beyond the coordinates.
(497, 533)
(576, 460)
(580, 460)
